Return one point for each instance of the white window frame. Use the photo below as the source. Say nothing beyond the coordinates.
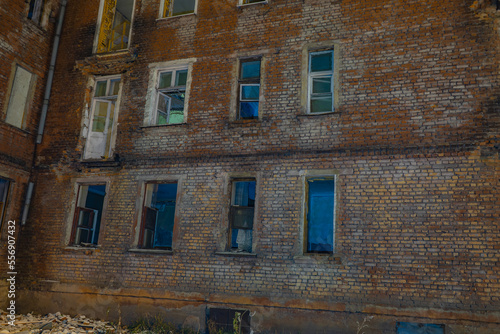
(98, 30)
(152, 93)
(38, 8)
(164, 91)
(109, 99)
(241, 3)
(311, 76)
(9, 109)
(162, 9)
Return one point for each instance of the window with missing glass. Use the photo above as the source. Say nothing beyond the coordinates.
(249, 88)
(320, 215)
(4, 191)
(170, 96)
(241, 215)
(88, 214)
(158, 215)
(36, 10)
(321, 82)
(171, 8)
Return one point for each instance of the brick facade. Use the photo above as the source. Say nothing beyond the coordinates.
(412, 146)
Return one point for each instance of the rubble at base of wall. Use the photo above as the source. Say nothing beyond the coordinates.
(55, 323)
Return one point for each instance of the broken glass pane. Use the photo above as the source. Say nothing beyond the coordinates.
(181, 7)
(250, 70)
(321, 61)
(320, 215)
(322, 84)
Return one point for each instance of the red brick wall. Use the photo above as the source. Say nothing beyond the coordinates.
(412, 142)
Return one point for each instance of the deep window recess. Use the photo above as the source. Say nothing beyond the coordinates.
(158, 215)
(320, 215)
(415, 328)
(114, 30)
(4, 190)
(178, 7)
(88, 215)
(248, 2)
(19, 97)
(98, 145)
(170, 97)
(242, 215)
(36, 10)
(320, 82)
(229, 321)
(249, 88)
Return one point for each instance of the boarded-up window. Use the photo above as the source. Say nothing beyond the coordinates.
(4, 190)
(241, 215)
(19, 95)
(88, 214)
(114, 30)
(158, 215)
(320, 215)
(415, 328)
(221, 320)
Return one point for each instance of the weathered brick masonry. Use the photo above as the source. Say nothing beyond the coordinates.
(413, 143)
(24, 43)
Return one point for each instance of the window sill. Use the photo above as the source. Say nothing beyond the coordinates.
(185, 124)
(112, 53)
(24, 132)
(151, 251)
(164, 19)
(84, 249)
(310, 258)
(237, 254)
(252, 4)
(101, 163)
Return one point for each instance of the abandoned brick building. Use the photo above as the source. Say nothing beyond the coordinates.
(312, 165)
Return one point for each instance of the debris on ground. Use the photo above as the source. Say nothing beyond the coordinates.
(55, 323)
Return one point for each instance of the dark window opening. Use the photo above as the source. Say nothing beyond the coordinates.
(320, 215)
(228, 321)
(88, 215)
(36, 10)
(249, 89)
(415, 328)
(158, 215)
(4, 190)
(242, 215)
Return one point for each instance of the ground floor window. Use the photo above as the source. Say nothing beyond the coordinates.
(221, 320)
(88, 214)
(241, 215)
(4, 190)
(320, 217)
(415, 328)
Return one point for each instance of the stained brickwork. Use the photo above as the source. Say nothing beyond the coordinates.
(413, 146)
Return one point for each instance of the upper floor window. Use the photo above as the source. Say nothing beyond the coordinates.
(36, 10)
(170, 96)
(242, 215)
(19, 97)
(158, 214)
(320, 214)
(114, 29)
(177, 7)
(320, 82)
(249, 88)
(249, 2)
(88, 214)
(102, 118)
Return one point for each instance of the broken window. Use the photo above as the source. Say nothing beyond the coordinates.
(88, 214)
(320, 217)
(249, 88)
(248, 2)
(320, 82)
(177, 7)
(221, 320)
(35, 10)
(158, 215)
(114, 30)
(170, 96)
(242, 215)
(4, 190)
(19, 97)
(98, 145)
(415, 328)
